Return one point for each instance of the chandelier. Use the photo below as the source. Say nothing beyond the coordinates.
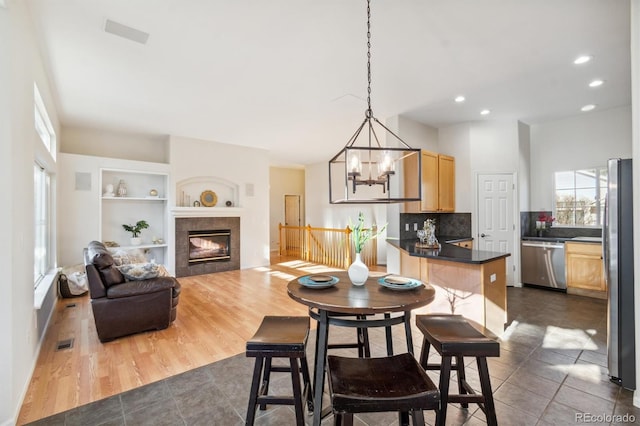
(368, 171)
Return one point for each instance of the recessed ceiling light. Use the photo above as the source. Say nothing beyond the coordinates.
(596, 83)
(459, 99)
(588, 108)
(583, 59)
(485, 112)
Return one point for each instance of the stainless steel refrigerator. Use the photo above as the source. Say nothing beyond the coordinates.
(617, 238)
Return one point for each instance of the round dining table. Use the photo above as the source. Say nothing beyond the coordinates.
(343, 304)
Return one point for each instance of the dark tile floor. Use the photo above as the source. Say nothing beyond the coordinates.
(552, 371)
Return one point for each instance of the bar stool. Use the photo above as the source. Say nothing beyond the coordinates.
(280, 337)
(362, 337)
(373, 385)
(454, 337)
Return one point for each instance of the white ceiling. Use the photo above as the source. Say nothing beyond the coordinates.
(289, 76)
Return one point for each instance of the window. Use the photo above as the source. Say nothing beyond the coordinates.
(579, 197)
(43, 170)
(42, 263)
(43, 125)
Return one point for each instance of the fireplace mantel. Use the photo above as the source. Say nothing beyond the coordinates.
(206, 212)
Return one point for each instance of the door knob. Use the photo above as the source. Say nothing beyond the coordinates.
(484, 235)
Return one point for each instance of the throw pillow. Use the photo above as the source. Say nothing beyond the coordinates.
(110, 275)
(126, 257)
(139, 271)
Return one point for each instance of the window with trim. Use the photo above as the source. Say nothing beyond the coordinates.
(42, 202)
(43, 170)
(579, 197)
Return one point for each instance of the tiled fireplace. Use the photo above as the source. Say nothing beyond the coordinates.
(207, 244)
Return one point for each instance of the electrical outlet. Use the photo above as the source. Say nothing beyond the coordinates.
(406, 226)
(415, 226)
(493, 278)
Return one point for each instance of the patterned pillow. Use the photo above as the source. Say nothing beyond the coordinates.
(139, 271)
(126, 257)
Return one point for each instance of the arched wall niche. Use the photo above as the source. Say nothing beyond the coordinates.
(188, 191)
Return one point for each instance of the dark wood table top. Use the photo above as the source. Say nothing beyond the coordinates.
(370, 298)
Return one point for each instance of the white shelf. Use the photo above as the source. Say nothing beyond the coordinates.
(205, 211)
(141, 246)
(135, 198)
(136, 205)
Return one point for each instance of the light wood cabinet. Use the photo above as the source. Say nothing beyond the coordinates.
(446, 183)
(438, 185)
(585, 268)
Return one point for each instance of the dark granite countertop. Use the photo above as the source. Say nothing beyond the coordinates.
(564, 240)
(548, 239)
(448, 252)
(451, 239)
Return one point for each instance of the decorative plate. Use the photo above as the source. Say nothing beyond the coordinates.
(399, 283)
(318, 281)
(208, 198)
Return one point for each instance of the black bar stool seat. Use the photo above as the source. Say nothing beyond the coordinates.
(452, 336)
(280, 337)
(395, 383)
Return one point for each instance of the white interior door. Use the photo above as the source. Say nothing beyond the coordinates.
(495, 215)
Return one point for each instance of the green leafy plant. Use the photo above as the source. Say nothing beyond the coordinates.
(360, 234)
(137, 228)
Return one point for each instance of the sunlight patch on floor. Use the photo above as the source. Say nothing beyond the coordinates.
(565, 338)
(509, 331)
(591, 373)
(282, 275)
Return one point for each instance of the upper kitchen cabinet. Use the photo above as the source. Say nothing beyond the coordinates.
(438, 185)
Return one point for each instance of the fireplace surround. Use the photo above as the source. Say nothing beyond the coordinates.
(196, 227)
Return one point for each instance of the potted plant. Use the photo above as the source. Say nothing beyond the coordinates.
(358, 271)
(135, 231)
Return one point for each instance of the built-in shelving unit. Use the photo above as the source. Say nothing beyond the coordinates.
(136, 205)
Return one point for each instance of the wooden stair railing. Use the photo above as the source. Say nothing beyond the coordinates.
(327, 246)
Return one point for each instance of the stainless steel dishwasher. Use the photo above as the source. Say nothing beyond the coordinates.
(543, 264)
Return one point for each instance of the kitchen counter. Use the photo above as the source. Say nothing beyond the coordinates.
(468, 282)
(448, 252)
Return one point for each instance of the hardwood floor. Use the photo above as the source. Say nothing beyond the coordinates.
(216, 315)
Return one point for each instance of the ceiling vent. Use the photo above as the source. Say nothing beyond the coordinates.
(124, 31)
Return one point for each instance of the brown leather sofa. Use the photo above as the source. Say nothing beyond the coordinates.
(123, 307)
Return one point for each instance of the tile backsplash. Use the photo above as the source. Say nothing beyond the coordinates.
(449, 224)
(528, 228)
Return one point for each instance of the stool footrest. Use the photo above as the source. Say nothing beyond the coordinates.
(275, 400)
(437, 366)
(280, 369)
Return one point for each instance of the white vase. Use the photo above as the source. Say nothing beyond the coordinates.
(358, 271)
(136, 241)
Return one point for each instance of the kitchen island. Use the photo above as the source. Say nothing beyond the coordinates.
(467, 282)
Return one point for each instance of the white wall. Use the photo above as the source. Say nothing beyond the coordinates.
(578, 142)
(8, 394)
(242, 165)
(524, 137)
(283, 181)
(105, 143)
(20, 67)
